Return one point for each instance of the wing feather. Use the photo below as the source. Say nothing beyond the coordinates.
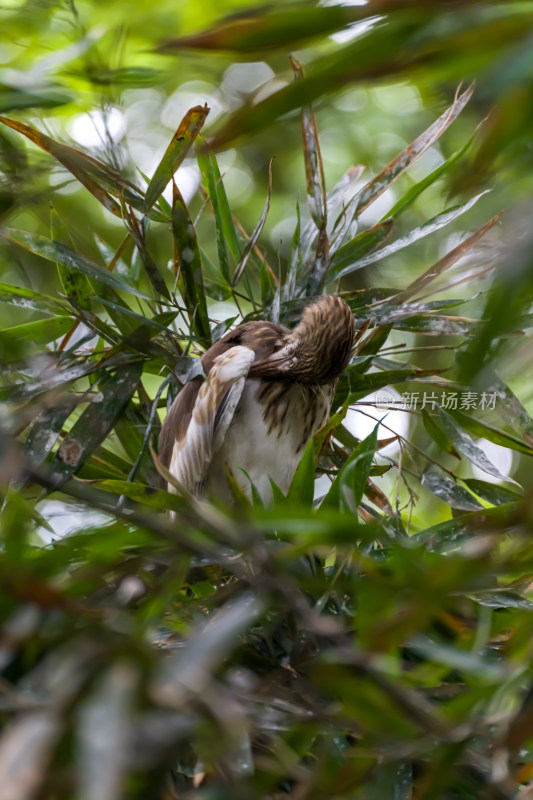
(211, 417)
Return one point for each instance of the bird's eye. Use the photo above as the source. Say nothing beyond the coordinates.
(291, 363)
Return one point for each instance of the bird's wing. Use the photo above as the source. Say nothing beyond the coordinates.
(211, 416)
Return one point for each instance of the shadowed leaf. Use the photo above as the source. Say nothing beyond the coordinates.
(114, 391)
(189, 268)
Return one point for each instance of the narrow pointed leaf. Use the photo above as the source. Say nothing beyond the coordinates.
(57, 252)
(465, 445)
(448, 260)
(97, 420)
(412, 152)
(450, 492)
(27, 298)
(493, 493)
(351, 252)
(189, 266)
(486, 431)
(46, 429)
(415, 191)
(436, 432)
(433, 225)
(217, 196)
(176, 152)
(251, 243)
(348, 488)
(101, 180)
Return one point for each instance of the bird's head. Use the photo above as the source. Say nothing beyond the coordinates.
(317, 350)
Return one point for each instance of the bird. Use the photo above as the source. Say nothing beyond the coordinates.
(267, 390)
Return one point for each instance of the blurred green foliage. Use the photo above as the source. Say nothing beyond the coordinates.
(367, 636)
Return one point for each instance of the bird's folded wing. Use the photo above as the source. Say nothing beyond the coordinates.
(213, 411)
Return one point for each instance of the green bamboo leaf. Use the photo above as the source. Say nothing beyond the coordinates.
(57, 252)
(434, 325)
(415, 191)
(351, 252)
(21, 339)
(75, 284)
(450, 492)
(102, 181)
(226, 232)
(347, 490)
(27, 298)
(176, 152)
(357, 385)
(98, 419)
(493, 493)
(302, 489)
(189, 266)
(437, 434)
(486, 431)
(252, 241)
(465, 445)
(433, 225)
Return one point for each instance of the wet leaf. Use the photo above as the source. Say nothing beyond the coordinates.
(437, 434)
(486, 431)
(465, 445)
(27, 298)
(46, 429)
(450, 492)
(492, 493)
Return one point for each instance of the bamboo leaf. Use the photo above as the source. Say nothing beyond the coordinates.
(412, 152)
(189, 268)
(433, 225)
(90, 430)
(251, 243)
(351, 252)
(348, 488)
(176, 152)
(450, 492)
(57, 252)
(27, 298)
(16, 341)
(465, 445)
(102, 181)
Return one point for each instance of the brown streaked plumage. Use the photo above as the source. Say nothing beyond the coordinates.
(268, 389)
